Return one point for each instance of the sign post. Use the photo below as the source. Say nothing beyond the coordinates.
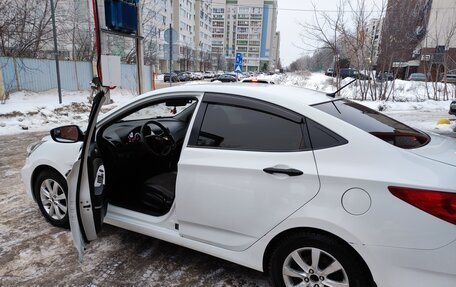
(170, 38)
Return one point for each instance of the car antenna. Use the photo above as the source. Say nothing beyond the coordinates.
(333, 95)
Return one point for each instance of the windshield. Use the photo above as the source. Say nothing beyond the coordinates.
(375, 123)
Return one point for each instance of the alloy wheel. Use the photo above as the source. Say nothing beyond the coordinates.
(53, 199)
(313, 267)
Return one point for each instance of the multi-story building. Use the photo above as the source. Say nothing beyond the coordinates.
(247, 27)
(437, 50)
(192, 19)
(373, 37)
(418, 36)
(203, 34)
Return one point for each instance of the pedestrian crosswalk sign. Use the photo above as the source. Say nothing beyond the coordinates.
(238, 63)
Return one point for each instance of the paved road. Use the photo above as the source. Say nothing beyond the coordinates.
(33, 253)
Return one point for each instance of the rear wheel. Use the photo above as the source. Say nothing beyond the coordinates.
(52, 197)
(316, 260)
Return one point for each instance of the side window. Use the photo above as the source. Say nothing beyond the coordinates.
(231, 127)
(322, 137)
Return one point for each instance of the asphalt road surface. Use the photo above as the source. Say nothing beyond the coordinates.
(34, 253)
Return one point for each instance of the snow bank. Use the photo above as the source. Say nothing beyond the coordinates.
(29, 111)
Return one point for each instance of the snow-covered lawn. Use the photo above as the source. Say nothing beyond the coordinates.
(28, 111)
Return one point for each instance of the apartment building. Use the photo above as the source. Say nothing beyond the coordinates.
(247, 27)
(437, 50)
(374, 37)
(418, 36)
(192, 20)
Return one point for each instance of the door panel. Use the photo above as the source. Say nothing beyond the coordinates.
(86, 188)
(226, 199)
(247, 167)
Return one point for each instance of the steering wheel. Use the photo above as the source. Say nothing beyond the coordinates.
(160, 145)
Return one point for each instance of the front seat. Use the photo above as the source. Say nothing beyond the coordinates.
(159, 191)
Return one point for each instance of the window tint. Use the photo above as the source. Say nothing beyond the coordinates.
(238, 128)
(322, 137)
(375, 123)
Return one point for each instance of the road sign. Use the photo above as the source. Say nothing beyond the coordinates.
(238, 64)
(168, 33)
(239, 58)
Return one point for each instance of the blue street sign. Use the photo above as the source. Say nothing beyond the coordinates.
(238, 68)
(239, 58)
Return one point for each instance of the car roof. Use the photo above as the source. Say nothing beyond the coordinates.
(278, 94)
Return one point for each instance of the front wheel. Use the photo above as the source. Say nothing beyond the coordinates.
(316, 260)
(51, 195)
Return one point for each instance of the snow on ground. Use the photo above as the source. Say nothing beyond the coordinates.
(28, 111)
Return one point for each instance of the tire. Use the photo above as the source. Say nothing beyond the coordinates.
(51, 193)
(337, 263)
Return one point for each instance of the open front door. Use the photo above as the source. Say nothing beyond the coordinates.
(87, 200)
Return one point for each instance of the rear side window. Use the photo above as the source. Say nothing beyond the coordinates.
(375, 123)
(322, 137)
(232, 127)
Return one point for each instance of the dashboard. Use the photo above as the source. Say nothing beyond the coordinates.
(122, 135)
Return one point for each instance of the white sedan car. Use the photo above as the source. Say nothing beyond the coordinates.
(311, 189)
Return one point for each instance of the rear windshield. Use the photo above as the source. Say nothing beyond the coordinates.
(375, 123)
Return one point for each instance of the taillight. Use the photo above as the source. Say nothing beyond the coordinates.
(438, 203)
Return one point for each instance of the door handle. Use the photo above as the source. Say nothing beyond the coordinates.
(287, 171)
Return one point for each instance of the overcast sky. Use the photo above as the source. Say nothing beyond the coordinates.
(288, 24)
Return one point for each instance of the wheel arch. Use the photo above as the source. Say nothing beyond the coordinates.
(276, 240)
(36, 172)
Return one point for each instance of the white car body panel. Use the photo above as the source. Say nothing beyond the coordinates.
(233, 189)
(402, 245)
(60, 157)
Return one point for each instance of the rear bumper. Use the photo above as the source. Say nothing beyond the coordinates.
(412, 267)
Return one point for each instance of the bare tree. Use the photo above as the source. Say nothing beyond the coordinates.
(153, 27)
(25, 28)
(322, 33)
(187, 56)
(220, 63)
(75, 30)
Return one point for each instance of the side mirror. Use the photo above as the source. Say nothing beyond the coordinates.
(67, 134)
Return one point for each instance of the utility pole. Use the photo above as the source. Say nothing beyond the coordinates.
(140, 52)
(56, 52)
(170, 54)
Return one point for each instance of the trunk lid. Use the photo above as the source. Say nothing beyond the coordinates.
(440, 148)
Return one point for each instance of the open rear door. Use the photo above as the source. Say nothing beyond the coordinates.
(87, 200)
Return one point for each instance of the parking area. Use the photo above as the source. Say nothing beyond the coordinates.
(34, 253)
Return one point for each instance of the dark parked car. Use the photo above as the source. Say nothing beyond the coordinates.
(330, 72)
(385, 76)
(183, 76)
(417, 77)
(225, 78)
(452, 108)
(353, 73)
(174, 77)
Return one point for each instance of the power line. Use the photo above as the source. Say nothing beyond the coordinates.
(312, 10)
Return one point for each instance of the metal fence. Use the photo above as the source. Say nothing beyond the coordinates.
(40, 75)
